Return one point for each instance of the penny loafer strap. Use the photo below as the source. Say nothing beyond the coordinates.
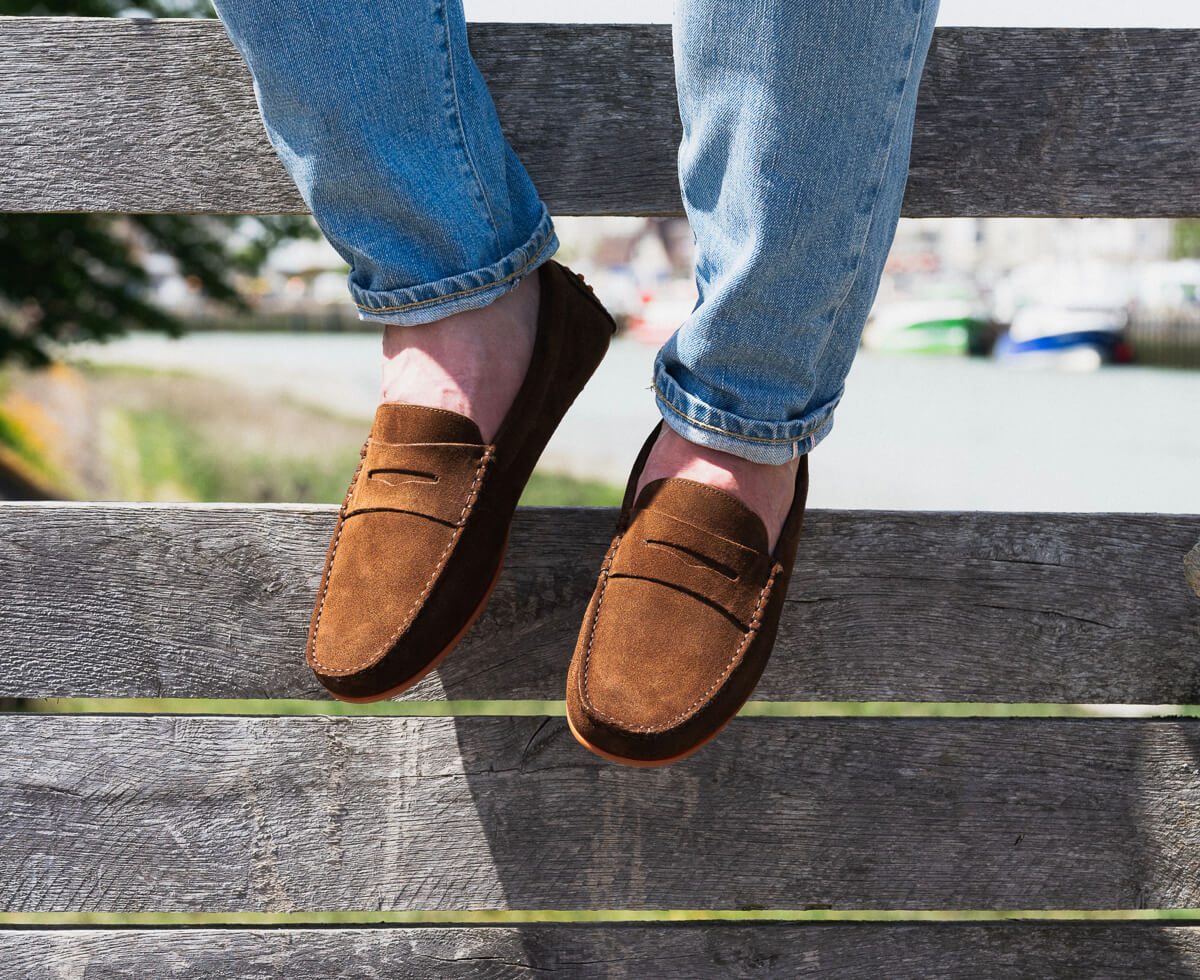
(437, 480)
(659, 547)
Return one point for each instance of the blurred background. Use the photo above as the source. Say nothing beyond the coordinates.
(1009, 363)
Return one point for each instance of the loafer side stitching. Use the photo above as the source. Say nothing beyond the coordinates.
(587, 656)
(362, 456)
(488, 455)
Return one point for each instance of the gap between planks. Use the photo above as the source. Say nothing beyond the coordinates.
(556, 709)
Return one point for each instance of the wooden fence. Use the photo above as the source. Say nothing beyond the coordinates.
(268, 824)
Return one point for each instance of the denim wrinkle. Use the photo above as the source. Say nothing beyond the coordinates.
(797, 123)
(456, 110)
(455, 294)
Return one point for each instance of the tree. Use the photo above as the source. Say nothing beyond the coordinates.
(80, 276)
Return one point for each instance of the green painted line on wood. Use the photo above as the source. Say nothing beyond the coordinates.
(15, 920)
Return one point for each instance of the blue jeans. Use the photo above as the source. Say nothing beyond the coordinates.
(797, 119)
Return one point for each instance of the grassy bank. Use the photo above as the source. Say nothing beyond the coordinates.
(158, 454)
(121, 433)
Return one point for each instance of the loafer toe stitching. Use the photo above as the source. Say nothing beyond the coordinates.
(688, 712)
(469, 502)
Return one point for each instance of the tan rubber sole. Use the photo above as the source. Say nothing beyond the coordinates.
(433, 664)
(652, 763)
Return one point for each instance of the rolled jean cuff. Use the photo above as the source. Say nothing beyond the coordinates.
(752, 439)
(469, 291)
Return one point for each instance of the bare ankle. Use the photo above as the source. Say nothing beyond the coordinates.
(766, 489)
(471, 362)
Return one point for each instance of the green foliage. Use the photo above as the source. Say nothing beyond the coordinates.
(559, 490)
(81, 276)
(14, 438)
(157, 454)
(1185, 238)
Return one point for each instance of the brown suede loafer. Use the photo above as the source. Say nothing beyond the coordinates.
(421, 535)
(681, 622)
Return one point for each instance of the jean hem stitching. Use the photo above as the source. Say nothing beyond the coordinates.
(737, 435)
(462, 292)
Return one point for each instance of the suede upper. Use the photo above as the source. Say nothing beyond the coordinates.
(422, 532)
(682, 619)
(678, 583)
(416, 495)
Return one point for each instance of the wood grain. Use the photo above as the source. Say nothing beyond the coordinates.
(667, 952)
(190, 814)
(1191, 568)
(143, 115)
(112, 600)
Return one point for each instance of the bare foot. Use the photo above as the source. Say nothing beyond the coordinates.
(471, 363)
(765, 488)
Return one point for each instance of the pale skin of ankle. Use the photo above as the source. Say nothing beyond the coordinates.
(471, 363)
(474, 362)
(765, 488)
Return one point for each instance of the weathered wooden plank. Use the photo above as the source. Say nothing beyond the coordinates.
(139, 115)
(666, 952)
(189, 814)
(179, 601)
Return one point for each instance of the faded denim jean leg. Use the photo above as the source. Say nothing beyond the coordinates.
(383, 121)
(797, 123)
